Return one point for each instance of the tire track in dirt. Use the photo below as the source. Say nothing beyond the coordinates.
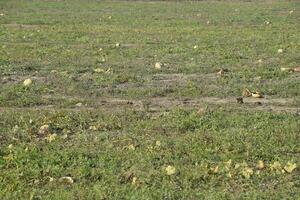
(164, 103)
(268, 103)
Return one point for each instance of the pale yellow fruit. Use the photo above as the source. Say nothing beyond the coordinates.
(285, 69)
(108, 71)
(158, 143)
(237, 165)
(51, 137)
(66, 180)
(158, 65)
(99, 70)
(66, 131)
(215, 169)
(27, 82)
(256, 95)
(196, 46)
(229, 175)
(131, 147)
(134, 180)
(280, 50)
(275, 166)
(228, 163)
(260, 164)
(290, 167)
(93, 128)
(51, 179)
(44, 129)
(64, 136)
(78, 104)
(118, 44)
(170, 170)
(247, 172)
(246, 92)
(221, 72)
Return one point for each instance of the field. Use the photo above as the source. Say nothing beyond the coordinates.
(123, 99)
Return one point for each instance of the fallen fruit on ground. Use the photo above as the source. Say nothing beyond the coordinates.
(247, 172)
(99, 70)
(290, 167)
(43, 129)
(285, 69)
(222, 71)
(66, 180)
(134, 180)
(170, 170)
(247, 93)
(27, 82)
(78, 104)
(260, 165)
(51, 137)
(114, 122)
(158, 65)
(131, 147)
(276, 166)
(257, 95)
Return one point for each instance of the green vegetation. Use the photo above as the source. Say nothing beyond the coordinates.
(99, 121)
